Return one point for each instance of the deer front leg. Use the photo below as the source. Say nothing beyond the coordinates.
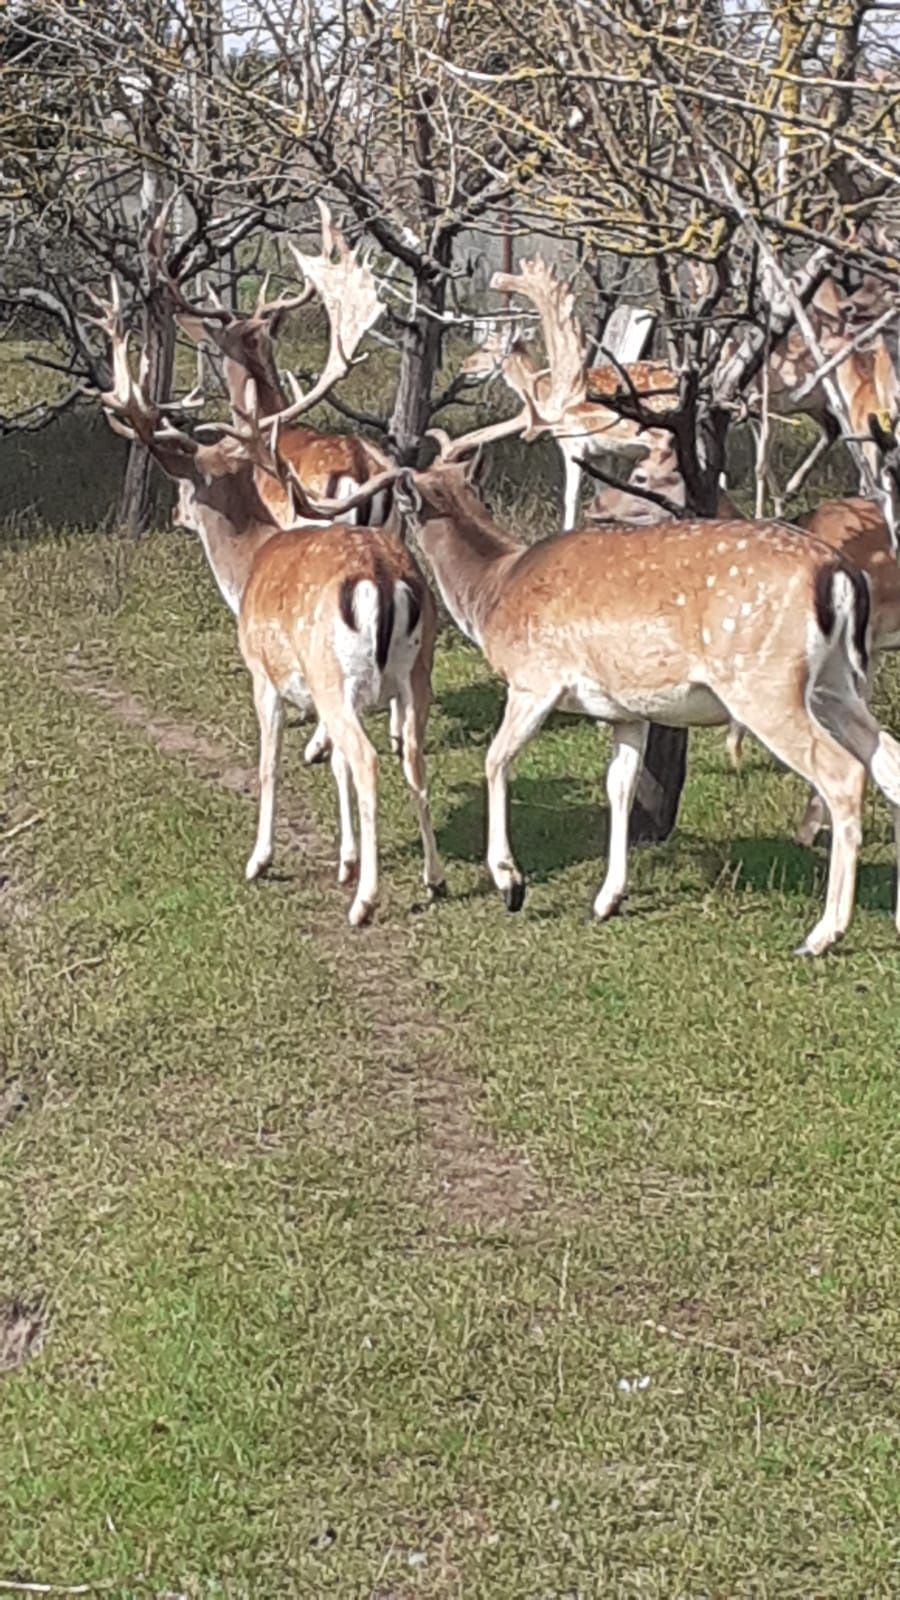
(521, 720)
(629, 742)
(348, 858)
(270, 711)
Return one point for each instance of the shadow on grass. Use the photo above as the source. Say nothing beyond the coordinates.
(556, 823)
(767, 863)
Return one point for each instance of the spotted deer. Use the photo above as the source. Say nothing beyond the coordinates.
(334, 620)
(856, 528)
(692, 624)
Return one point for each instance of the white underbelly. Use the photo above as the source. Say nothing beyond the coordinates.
(684, 705)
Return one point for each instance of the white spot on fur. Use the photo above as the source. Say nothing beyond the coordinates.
(706, 636)
(733, 572)
(728, 624)
(746, 608)
(679, 599)
(711, 580)
(742, 544)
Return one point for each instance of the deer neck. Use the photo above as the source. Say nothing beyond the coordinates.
(233, 525)
(470, 558)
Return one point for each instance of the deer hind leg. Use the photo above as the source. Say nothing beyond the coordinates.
(522, 718)
(414, 716)
(318, 748)
(853, 724)
(270, 712)
(796, 737)
(734, 743)
(396, 726)
(353, 746)
(629, 741)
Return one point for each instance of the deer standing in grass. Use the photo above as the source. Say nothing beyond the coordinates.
(693, 624)
(856, 528)
(335, 620)
(580, 426)
(323, 465)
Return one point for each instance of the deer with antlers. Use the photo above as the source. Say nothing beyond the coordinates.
(324, 464)
(558, 394)
(692, 625)
(331, 619)
(847, 329)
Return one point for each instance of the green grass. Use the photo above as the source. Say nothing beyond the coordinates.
(291, 1348)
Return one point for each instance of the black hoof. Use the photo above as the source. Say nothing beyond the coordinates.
(514, 896)
(319, 756)
(437, 891)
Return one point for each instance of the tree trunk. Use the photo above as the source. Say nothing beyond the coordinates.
(421, 341)
(655, 810)
(137, 501)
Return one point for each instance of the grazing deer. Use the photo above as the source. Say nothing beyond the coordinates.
(335, 620)
(689, 624)
(856, 528)
(580, 426)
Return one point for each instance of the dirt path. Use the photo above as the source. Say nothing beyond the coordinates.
(470, 1178)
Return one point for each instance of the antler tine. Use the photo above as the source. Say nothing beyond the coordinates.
(336, 508)
(155, 233)
(554, 300)
(128, 410)
(453, 449)
(347, 289)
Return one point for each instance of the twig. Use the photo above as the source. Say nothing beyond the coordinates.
(678, 513)
(727, 1350)
(21, 826)
(78, 966)
(56, 1588)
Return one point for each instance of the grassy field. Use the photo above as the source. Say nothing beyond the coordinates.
(466, 1256)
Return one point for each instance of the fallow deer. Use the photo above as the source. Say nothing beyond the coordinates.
(690, 624)
(848, 333)
(856, 528)
(335, 620)
(322, 464)
(559, 394)
(326, 465)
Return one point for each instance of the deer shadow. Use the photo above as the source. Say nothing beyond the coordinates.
(764, 864)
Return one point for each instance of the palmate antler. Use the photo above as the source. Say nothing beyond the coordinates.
(563, 385)
(347, 289)
(128, 409)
